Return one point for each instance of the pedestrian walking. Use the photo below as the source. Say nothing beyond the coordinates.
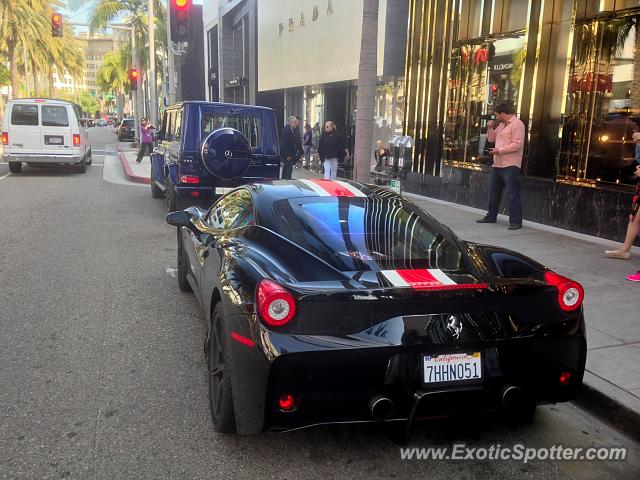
(146, 139)
(508, 137)
(331, 150)
(307, 142)
(633, 229)
(290, 147)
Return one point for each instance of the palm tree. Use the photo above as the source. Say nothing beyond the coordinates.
(25, 28)
(20, 23)
(112, 76)
(135, 12)
(367, 83)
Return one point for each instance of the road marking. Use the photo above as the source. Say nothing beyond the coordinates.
(5, 176)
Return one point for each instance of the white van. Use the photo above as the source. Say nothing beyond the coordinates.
(43, 131)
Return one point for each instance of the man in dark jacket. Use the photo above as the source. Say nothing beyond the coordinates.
(290, 147)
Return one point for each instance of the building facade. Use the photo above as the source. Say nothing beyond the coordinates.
(308, 58)
(231, 49)
(572, 70)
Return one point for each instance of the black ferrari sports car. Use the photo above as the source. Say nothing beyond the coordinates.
(334, 301)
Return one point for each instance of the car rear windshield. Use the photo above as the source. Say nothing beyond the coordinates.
(54, 116)
(249, 126)
(127, 123)
(357, 233)
(24, 114)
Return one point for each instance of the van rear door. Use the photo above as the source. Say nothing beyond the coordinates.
(55, 132)
(24, 129)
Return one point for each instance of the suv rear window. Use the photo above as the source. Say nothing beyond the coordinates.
(357, 233)
(54, 116)
(24, 114)
(128, 122)
(249, 126)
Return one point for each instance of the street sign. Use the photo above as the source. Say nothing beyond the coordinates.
(394, 184)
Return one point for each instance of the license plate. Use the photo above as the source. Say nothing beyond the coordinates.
(53, 140)
(453, 367)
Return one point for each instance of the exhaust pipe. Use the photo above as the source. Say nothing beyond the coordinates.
(511, 396)
(381, 407)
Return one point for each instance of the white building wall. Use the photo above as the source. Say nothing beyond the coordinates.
(324, 50)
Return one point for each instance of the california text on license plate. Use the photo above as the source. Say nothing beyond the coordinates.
(453, 367)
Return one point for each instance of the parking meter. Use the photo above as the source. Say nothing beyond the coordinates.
(405, 155)
(394, 153)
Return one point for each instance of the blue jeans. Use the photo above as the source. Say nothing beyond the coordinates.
(638, 152)
(502, 178)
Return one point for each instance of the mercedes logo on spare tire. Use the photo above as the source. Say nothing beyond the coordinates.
(226, 153)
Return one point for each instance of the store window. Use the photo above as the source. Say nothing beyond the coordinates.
(482, 75)
(602, 109)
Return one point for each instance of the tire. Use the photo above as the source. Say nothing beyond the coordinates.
(172, 199)
(183, 267)
(156, 192)
(89, 157)
(220, 396)
(15, 167)
(82, 166)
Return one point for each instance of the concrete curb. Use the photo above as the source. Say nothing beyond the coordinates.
(610, 403)
(129, 173)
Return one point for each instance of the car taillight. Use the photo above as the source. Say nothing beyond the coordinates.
(76, 140)
(189, 179)
(276, 306)
(5, 138)
(570, 292)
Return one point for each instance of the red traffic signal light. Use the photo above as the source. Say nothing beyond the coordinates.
(133, 78)
(56, 24)
(180, 20)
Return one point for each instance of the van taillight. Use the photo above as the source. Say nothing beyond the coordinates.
(76, 140)
(5, 138)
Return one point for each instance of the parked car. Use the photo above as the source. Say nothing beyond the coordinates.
(333, 302)
(44, 131)
(126, 129)
(208, 146)
(101, 122)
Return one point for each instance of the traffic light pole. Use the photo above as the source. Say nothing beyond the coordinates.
(153, 80)
(136, 94)
(170, 66)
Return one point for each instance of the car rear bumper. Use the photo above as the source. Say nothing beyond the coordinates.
(130, 135)
(42, 158)
(334, 379)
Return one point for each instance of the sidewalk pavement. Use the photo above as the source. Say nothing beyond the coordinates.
(135, 172)
(612, 303)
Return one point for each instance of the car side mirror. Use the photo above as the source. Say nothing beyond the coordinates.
(179, 219)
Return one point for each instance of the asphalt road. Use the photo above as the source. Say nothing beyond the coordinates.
(102, 372)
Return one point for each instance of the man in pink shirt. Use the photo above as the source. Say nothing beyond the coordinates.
(507, 161)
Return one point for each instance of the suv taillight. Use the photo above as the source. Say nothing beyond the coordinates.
(193, 179)
(570, 292)
(76, 140)
(5, 138)
(276, 305)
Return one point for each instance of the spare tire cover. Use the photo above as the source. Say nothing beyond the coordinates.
(226, 153)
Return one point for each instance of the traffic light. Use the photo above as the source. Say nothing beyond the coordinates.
(133, 78)
(179, 17)
(56, 24)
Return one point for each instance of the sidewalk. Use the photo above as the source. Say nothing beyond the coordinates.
(612, 304)
(135, 172)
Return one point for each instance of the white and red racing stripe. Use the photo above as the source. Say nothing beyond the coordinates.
(426, 279)
(333, 188)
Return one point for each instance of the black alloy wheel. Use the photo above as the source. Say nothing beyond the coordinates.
(220, 398)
